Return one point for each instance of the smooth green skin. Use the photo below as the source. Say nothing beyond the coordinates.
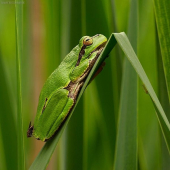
(59, 103)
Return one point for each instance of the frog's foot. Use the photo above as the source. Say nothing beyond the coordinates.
(30, 130)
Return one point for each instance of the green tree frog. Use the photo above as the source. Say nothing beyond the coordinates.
(59, 93)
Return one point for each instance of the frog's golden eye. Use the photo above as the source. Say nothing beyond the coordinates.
(88, 41)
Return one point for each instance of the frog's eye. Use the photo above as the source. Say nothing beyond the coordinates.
(88, 41)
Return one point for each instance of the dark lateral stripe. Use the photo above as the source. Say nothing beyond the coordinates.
(82, 51)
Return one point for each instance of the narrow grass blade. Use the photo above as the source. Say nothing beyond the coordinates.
(162, 14)
(19, 49)
(130, 54)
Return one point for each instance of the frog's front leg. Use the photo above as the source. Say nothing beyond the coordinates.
(81, 71)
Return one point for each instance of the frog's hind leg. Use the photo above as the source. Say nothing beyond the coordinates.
(72, 96)
(54, 107)
(61, 118)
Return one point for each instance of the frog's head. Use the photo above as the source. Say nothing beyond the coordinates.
(88, 45)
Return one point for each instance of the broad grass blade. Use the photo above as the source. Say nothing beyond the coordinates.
(163, 97)
(162, 14)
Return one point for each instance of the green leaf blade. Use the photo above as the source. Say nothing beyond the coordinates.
(7, 123)
(19, 50)
(163, 97)
(162, 14)
(126, 150)
(130, 54)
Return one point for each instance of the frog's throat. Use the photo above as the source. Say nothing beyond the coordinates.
(82, 51)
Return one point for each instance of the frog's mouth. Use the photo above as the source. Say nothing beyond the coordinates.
(99, 49)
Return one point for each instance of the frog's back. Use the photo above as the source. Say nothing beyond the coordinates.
(60, 76)
(58, 79)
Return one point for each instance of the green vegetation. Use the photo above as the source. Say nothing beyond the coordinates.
(118, 123)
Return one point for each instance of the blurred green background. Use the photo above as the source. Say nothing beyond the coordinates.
(50, 30)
